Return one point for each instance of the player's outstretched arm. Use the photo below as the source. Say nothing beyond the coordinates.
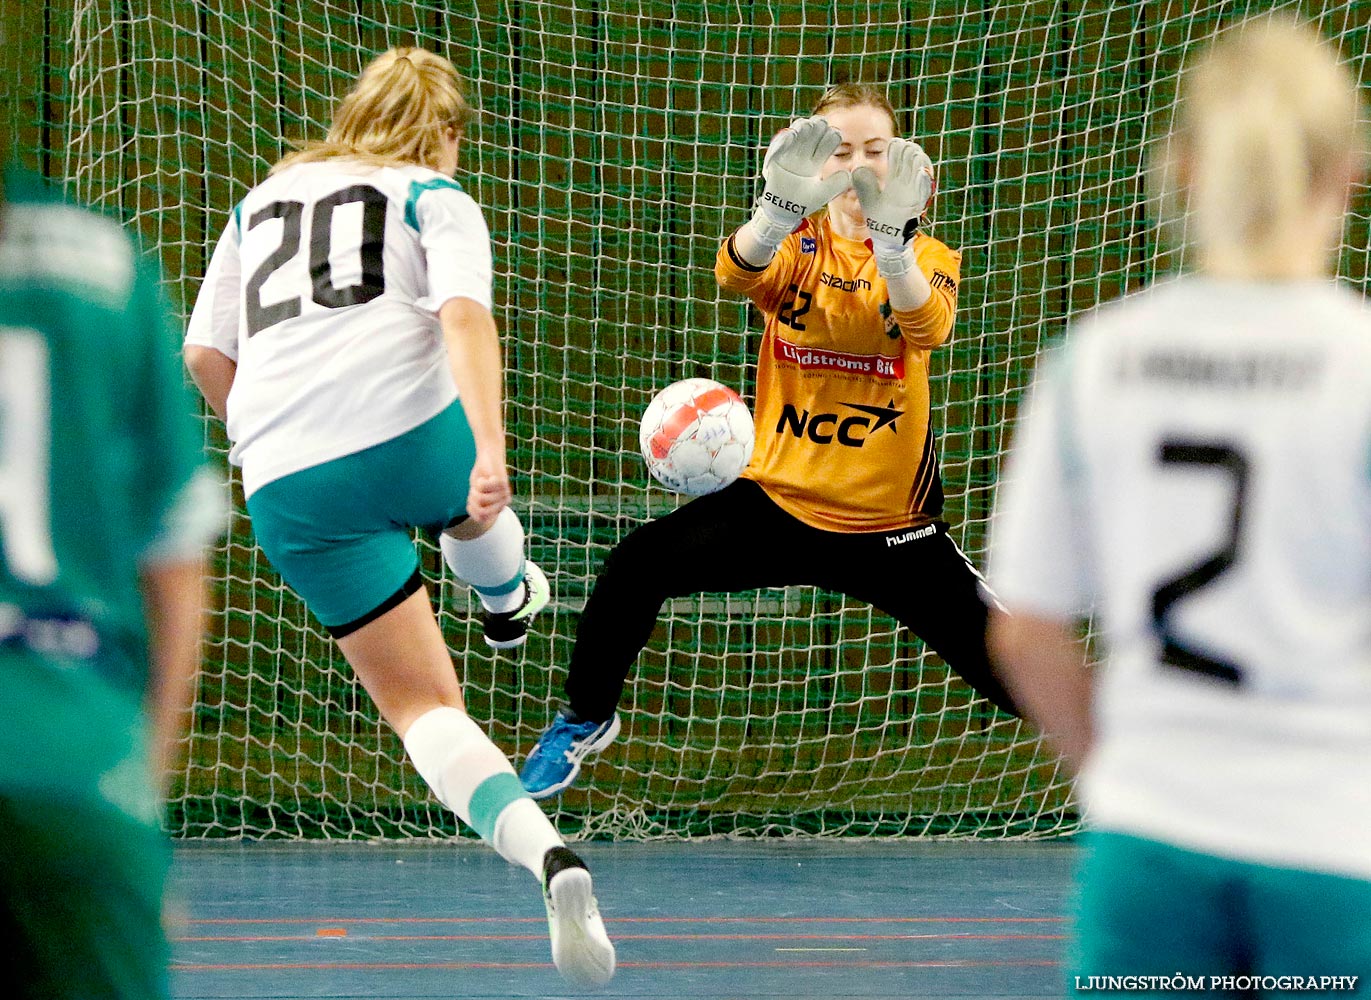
(473, 345)
(1042, 665)
(792, 188)
(892, 217)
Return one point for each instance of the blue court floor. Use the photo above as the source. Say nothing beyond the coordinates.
(720, 920)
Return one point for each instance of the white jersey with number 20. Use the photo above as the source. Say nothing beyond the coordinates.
(325, 289)
(1194, 466)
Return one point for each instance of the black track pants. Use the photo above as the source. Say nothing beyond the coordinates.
(738, 539)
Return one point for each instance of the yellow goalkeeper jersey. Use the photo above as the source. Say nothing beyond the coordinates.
(842, 410)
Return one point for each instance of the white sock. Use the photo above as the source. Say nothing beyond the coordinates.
(493, 564)
(523, 834)
(470, 776)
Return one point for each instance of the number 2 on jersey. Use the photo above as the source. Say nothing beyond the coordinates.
(372, 283)
(1175, 653)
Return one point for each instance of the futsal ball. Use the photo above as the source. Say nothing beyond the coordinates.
(696, 436)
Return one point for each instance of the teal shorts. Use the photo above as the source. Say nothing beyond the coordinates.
(341, 533)
(81, 901)
(1150, 909)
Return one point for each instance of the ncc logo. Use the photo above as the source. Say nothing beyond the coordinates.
(807, 244)
(849, 430)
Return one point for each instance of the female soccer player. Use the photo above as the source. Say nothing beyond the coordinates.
(1193, 466)
(843, 490)
(106, 505)
(344, 332)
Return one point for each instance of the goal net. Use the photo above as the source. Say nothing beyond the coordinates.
(617, 144)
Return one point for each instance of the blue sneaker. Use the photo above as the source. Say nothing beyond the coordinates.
(556, 760)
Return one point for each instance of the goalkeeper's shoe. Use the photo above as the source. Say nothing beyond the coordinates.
(556, 760)
(581, 949)
(507, 629)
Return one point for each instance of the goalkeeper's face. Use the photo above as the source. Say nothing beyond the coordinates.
(866, 131)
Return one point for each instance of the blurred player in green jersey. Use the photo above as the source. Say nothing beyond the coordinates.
(105, 506)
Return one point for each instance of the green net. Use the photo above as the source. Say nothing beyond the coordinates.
(618, 143)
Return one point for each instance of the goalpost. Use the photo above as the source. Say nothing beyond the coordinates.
(618, 142)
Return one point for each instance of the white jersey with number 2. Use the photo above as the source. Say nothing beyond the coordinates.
(325, 289)
(1194, 466)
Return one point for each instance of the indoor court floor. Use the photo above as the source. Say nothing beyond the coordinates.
(723, 920)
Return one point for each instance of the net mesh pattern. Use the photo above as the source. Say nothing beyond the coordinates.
(616, 145)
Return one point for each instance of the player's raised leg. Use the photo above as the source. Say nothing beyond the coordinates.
(924, 580)
(736, 539)
(403, 662)
(490, 559)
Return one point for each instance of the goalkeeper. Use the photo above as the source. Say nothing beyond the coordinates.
(843, 491)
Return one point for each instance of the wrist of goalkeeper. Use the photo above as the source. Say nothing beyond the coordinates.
(770, 232)
(893, 261)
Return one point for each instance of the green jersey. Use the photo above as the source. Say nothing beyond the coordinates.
(99, 449)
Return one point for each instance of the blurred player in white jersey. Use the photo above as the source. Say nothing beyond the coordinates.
(344, 333)
(1194, 465)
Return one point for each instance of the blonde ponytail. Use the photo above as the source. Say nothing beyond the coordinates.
(1268, 125)
(395, 114)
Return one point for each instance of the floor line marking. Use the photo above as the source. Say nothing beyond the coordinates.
(336, 920)
(249, 938)
(455, 966)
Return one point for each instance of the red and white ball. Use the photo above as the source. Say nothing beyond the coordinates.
(696, 436)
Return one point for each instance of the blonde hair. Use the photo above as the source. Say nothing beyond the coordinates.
(1267, 128)
(395, 114)
(854, 95)
(859, 95)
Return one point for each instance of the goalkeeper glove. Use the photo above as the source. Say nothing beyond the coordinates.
(893, 212)
(793, 188)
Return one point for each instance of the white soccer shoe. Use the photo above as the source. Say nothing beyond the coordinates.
(581, 949)
(509, 629)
